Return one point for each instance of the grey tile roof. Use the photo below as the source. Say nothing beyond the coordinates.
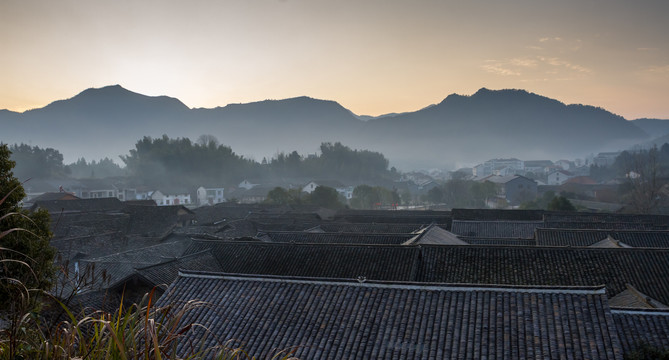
(352, 320)
(121, 265)
(394, 216)
(498, 241)
(333, 238)
(635, 327)
(166, 272)
(378, 262)
(645, 269)
(436, 236)
(634, 238)
(603, 225)
(496, 229)
(207, 215)
(633, 298)
(605, 217)
(497, 214)
(80, 205)
(373, 228)
(157, 221)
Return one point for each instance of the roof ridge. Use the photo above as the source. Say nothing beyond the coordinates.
(187, 256)
(361, 281)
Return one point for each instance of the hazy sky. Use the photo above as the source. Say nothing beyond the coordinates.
(373, 57)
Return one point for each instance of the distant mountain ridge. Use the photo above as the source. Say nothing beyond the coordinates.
(490, 123)
(654, 127)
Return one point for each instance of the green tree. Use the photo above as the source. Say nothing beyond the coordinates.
(278, 196)
(560, 203)
(482, 191)
(365, 197)
(35, 162)
(326, 197)
(435, 195)
(25, 254)
(540, 203)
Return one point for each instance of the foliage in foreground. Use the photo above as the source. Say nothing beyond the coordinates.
(139, 332)
(25, 237)
(645, 351)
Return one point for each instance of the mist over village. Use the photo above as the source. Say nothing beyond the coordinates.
(334, 180)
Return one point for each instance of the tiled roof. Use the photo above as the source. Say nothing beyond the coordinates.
(650, 327)
(634, 238)
(52, 196)
(156, 221)
(394, 216)
(83, 224)
(121, 265)
(498, 241)
(496, 229)
(605, 217)
(373, 228)
(497, 214)
(278, 226)
(352, 320)
(166, 272)
(645, 269)
(333, 238)
(378, 262)
(110, 204)
(633, 298)
(603, 225)
(436, 236)
(207, 215)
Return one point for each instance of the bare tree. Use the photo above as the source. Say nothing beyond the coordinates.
(207, 140)
(643, 177)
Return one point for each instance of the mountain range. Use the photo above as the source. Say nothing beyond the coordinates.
(460, 130)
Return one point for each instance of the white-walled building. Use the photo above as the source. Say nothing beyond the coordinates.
(210, 196)
(162, 199)
(559, 177)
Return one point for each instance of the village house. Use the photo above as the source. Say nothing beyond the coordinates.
(515, 189)
(537, 167)
(247, 184)
(210, 196)
(174, 198)
(488, 168)
(343, 190)
(559, 177)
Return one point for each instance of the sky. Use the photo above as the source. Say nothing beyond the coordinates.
(373, 57)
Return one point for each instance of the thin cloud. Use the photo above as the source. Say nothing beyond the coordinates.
(499, 69)
(536, 67)
(661, 69)
(524, 62)
(547, 39)
(560, 63)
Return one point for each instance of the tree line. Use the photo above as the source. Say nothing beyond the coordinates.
(165, 161)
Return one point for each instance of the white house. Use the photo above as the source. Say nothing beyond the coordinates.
(248, 185)
(514, 166)
(210, 196)
(163, 199)
(343, 190)
(346, 192)
(310, 187)
(559, 177)
(564, 164)
(537, 167)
